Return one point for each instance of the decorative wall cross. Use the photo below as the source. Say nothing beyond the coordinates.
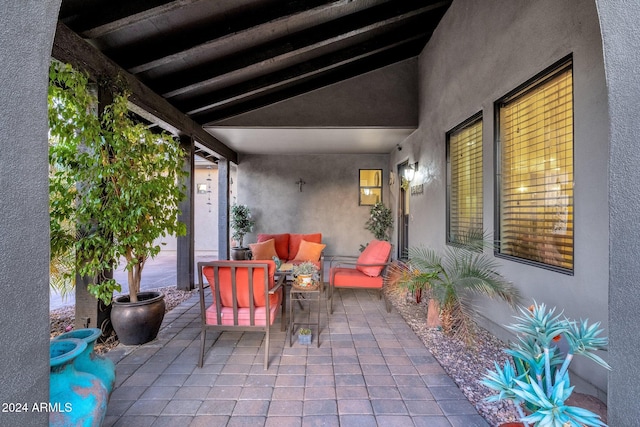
(300, 183)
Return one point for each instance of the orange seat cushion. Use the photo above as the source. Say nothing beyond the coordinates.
(281, 242)
(376, 252)
(295, 239)
(263, 250)
(351, 278)
(244, 314)
(242, 284)
(309, 251)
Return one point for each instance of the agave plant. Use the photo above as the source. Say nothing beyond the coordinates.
(453, 275)
(541, 383)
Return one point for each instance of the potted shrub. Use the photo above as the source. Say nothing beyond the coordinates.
(379, 223)
(305, 273)
(462, 268)
(122, 184)
(539, 384)
(241, 223)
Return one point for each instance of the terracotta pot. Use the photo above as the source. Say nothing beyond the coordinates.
(512, 424)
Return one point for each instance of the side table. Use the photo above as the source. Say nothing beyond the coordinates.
(301, 294)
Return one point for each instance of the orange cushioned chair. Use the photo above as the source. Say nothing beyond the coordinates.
(363, 272)
(246, 297)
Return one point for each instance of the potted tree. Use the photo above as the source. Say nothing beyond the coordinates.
(539, 385)
(379, 223)
(121, 183)
(241, 223)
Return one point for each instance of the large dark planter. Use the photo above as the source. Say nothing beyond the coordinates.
(138, 322)
(239, 254)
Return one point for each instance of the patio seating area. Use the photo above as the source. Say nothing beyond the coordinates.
(370, 369)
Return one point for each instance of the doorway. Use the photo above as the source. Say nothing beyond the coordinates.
(403, 213)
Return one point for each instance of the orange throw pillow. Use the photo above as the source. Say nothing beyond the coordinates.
(376, 252)
(309, 251)
(281, 242)
(295, 239)
(264, 250)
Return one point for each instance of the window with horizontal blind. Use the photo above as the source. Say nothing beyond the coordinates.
(464, 179)
(535, 170)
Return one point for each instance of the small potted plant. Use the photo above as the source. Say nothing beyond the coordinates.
(241, 223)
(305, 273)
(539, 384)
(304, 336)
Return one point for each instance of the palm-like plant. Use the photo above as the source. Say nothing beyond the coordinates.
(453, 275)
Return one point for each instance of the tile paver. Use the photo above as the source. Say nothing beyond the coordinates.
(370, 369)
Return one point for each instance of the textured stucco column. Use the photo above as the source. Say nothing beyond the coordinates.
(619, 20)
(26, 36)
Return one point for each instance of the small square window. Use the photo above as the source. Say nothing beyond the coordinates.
(370, 187)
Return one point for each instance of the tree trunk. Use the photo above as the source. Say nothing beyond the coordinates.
(433, 314)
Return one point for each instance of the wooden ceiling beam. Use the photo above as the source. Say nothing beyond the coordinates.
(242, 34)
(256, 87)
(110, 16)
(282, 54)
(69, 47)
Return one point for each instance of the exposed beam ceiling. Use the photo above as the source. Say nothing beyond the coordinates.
(215, 59)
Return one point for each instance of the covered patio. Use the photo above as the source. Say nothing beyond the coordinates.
(473, 54)
(370, 370)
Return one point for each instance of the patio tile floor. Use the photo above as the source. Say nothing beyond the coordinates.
(370, 370)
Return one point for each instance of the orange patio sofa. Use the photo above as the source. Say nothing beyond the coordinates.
(290, 248)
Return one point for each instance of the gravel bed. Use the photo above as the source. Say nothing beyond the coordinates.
(463, 365)
(63, 319)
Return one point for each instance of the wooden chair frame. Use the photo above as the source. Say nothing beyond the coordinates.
(234, 266)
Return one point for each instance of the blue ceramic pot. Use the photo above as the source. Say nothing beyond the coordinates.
(304, 339)
(91, 362)
(76, 398)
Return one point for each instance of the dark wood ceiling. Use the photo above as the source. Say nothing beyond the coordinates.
(213, 59)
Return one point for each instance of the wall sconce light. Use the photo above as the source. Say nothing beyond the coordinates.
(409, 173)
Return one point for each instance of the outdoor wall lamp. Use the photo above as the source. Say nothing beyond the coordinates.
(409, 173)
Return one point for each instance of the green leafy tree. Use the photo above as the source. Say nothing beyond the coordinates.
(120, 182)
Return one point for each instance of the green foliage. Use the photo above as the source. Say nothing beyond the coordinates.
(115, 178)
(543, 383)
(241, 222)
(304, 331)
(380, 221)
(304, 268)
(452, 275)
